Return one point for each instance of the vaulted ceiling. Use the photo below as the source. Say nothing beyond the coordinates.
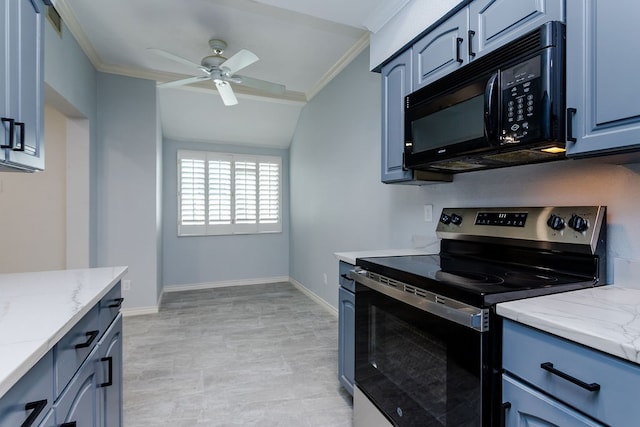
(301, 44)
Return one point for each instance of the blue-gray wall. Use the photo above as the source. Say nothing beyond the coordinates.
(193, 260)
(71, 79)
(338, 203)
(128, 183)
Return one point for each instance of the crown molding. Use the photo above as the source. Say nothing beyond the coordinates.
(346, 59)
(71, 22)
(383, 14)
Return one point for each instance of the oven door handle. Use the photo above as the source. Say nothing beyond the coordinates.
(446, 308)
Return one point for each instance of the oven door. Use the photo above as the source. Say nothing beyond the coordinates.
(419, 368)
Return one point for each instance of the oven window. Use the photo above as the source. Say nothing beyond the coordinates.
(457, 123)
(416, 367)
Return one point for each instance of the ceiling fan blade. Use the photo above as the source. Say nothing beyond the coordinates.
(184, 81)
(237, 62)
(226, 93)
(177, 58)
(263, 85)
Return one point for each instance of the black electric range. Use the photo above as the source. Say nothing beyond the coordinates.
(494, 255)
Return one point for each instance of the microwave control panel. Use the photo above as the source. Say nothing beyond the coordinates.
(521, 102)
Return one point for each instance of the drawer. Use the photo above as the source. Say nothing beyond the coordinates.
(525, 349)
(345, 281)
(74, 348)
(110, 307)
(32, 394)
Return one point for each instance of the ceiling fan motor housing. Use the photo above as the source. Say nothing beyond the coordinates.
(218, 46)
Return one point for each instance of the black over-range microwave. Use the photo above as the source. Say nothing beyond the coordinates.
(505, 108)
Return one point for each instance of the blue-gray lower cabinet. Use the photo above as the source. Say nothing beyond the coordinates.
(79, 380)
(30, 399)
(346, 328)
(603, 111)
(544, 375)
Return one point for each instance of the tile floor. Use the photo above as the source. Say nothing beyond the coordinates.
(263, 355)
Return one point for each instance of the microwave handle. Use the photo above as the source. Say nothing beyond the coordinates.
(491, 113)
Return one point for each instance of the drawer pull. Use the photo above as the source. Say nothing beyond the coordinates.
(346, 277)
(91, 337)
(35, 408)
(548, 366)
(117, 303)
(109, 361)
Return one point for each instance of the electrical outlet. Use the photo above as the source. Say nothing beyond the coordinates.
(126, 285)
(428, 213)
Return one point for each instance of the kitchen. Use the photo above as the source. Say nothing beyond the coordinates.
(383, 216)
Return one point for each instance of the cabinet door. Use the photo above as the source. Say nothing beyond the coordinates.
(603, 111)
(441, 51)
(4, 77)
(27, 102)
(528, 407)
(110, 374)
(492, 23)
(396, 84)
(27, 402)
(78, 404)
(346, 339)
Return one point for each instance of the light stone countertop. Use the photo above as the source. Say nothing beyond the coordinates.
(606, 318)
(38, 309)
(350, 257)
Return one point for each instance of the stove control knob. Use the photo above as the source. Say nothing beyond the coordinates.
(555, 222)
(456, 219)
(578, 223)
(445, 219)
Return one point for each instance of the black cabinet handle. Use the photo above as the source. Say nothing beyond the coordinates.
(71, 424)
(20, 145)
(117, 303)
(35, 408)
(109, 361)
(548, 366)
(91, 337)
(570, 113)
(459, 41)
(470, 36)
(12, 124)
(503, 414)
(346, 277)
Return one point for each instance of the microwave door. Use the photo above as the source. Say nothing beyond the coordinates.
(491, 110)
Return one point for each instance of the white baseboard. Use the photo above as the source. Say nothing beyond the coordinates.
(139, 311)
(224, 284)
(331, 309)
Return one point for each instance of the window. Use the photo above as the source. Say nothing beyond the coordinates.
(222, 193)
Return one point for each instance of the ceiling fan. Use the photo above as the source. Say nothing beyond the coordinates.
(222, 72)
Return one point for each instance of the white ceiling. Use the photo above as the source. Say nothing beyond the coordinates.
(301, 44)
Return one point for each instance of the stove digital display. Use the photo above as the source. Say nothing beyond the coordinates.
(503, 219)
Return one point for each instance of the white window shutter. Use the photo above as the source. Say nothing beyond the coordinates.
(269, 193)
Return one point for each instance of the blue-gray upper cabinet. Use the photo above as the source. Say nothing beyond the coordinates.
(21, 86)
(396, 84)
(441, 51)
(492, 23)
(603, 111)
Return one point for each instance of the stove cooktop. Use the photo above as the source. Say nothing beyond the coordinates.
(480, 284)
